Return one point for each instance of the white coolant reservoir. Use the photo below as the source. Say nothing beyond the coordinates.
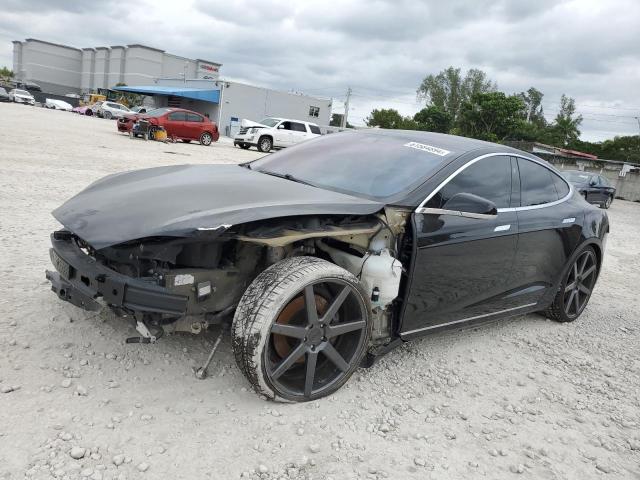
(382, 272)
(378, 272)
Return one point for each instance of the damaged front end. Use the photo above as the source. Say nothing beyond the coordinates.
(188, 283)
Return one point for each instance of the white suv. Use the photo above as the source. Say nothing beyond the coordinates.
(273, 133)
(110, 110)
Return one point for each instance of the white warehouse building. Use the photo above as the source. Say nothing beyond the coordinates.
(169, 80)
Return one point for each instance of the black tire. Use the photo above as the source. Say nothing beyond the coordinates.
(186, 140)
(88, 112)
(576, 287)
(607, 202)
(277, 340)
(244, 146)
(206, 139)
(265, 144)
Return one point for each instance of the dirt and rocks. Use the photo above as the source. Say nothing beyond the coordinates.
(522, 398)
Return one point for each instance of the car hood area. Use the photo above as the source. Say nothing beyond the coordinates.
(183, 200)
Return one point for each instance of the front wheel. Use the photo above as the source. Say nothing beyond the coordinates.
(206, 139)
(265, 144)
(107, 115)
(301, 329)
(575, 290)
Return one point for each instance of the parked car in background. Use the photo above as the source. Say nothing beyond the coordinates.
(593, 187)
(4, 96)
(83, 110)
(29, 86)
(273, 133)
(111, 110)
(179, 123)
(21, 96)
(95, 107)
(141, 109)
(57, 104)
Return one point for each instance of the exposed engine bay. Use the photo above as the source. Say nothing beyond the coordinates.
(213, 273)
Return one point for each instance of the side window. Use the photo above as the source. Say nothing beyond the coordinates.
(604, 182)
(192, 117)
(315, 129)
(489, 178)
(298, 127)
(176, 117)
(286, 125)
(561, 186)
(536, 184)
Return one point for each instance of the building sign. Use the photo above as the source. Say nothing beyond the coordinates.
(208, 68)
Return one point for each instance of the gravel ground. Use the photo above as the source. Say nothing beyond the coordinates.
(523, 397)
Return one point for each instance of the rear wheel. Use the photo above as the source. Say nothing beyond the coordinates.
(301, 329)
(575, 290)
(607, 202)
(206, 139)
(265, 144)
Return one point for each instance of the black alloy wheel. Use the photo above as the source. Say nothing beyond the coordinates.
(579, 284)
(315, 338)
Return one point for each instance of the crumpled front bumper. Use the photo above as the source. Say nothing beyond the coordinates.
(80, 280)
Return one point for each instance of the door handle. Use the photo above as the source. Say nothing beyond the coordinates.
(502, 228)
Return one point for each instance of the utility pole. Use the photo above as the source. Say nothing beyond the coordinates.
(638, 120)
(346, 109)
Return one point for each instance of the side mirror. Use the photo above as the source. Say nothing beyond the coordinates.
(281, 127)
(470, 205)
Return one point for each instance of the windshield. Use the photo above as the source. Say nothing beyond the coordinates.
(269, 122)
(368, 164)
(577, 177)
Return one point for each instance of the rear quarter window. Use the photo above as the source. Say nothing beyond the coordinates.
(315, 129)
(561, 186)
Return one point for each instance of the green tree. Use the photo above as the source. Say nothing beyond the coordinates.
(565, 128)
(532, 100)
(448, 90)
(6, 73)
(336, 120)
(385, 118)
(433, 119)
(491, 116)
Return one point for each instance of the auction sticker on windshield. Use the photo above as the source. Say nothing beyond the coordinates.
(428, 148)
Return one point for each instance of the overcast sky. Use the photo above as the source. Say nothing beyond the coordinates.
(588, 49)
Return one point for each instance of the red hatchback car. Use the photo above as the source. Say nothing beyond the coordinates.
(178, 122)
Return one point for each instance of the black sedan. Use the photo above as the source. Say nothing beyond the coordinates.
(594, 188)
(329, 254)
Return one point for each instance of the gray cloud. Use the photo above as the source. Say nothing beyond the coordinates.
(382, 48)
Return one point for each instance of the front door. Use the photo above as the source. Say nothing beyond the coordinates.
(175, 124)
(462, 265)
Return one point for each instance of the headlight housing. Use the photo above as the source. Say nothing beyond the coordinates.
(253, 130)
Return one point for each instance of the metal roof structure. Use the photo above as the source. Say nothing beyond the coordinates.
(206, 95)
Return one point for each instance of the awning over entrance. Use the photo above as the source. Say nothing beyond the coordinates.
(207, 95)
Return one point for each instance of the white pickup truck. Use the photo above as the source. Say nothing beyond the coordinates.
(273, 133)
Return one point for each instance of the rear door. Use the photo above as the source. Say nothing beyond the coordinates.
(462, 265)
(549, 230)
(298, 132)
(193, 125)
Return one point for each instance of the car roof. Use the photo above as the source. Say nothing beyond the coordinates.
(292, 120)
